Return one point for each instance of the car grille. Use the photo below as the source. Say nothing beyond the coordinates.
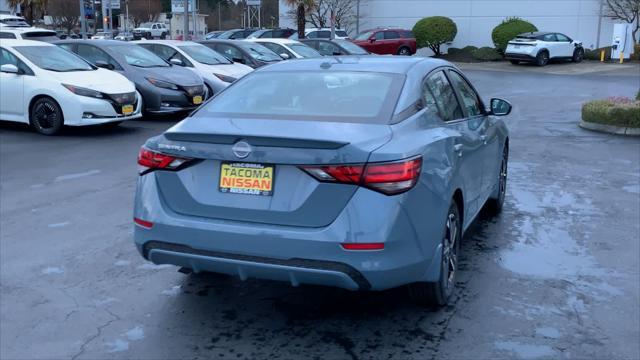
(193, 90)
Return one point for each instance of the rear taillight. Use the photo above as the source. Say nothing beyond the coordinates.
(389, 178)
(150, 160)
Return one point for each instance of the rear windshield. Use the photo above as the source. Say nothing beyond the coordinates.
(337, 96)
(40, 35)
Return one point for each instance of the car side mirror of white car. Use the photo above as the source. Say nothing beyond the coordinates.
(176, 62)
(285, 56)
(9, 68)
(500, 107)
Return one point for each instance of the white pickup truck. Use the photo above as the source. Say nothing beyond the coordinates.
(150, 31)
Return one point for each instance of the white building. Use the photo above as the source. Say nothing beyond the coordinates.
(579, 19)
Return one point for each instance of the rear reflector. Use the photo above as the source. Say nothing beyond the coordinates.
(145, 224)
(389, 178)
(150, 160)
(363, 246)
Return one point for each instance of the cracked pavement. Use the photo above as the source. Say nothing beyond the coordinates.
(555, 276)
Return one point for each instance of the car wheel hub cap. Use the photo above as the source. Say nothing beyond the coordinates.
(450, 252)
(45, 116)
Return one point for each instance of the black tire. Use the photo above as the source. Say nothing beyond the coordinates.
(496, 201)
(163, 35)
(542, 59)
(404, 51)
(438, 293)
(514, 62)
(45, 116)
(578, 55)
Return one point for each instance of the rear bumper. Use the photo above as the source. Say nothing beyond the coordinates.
(295, 271)
(295, 254)
(521, 57)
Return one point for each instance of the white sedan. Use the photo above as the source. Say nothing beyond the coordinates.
(287, 48)
(540, 47)
(216, 70)
(48, 87)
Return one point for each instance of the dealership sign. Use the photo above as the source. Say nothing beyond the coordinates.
(177, 6)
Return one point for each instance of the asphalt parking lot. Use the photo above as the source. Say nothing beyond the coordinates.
(557, 275)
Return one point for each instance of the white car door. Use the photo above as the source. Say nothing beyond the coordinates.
(12, 89)
(549, 42)
(565, 45)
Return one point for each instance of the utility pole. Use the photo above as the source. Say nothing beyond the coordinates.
(195, 20)
(110, 16)
(104, 14)
(219, 18)
(83, 20)
(358, 17)
(599, 24)
(185, 33)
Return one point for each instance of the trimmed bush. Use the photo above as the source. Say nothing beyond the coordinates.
(636, 52)
(638, 96)
(618, 111)
(453, 51)
(469, 49)
(486, 54)
(434, 31)
(509, 29)
(595, 53)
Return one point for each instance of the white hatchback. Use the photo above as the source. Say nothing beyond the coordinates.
(216, 70)
(287, 48)
(540, 47)
(48, 87)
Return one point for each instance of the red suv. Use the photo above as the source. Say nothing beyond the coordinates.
(387, 41)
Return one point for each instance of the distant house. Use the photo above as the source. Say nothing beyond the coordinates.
(5, 8)
(579, 19)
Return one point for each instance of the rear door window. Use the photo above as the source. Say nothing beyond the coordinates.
(380, 35)
(445, 97)
(549, 37)
(389, 35)
(328, 49)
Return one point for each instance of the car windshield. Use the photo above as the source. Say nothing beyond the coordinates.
(138, 56)
(345, 96)
(204, 55)
(54, 58)
(305, 51)
(259, 52)
(351, 47)
(364, 35)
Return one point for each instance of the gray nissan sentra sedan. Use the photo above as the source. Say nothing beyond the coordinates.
(355, 172)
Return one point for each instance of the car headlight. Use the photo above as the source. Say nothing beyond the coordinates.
(163, 84)
(225, 78)
(84, 91)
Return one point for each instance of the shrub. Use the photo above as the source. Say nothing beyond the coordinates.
(636, 52)
(638, 96)
(454, 51)
(619, 111)
(509, 29)
(595, 53)
(486, 54)
(469, 49)
(434, 31)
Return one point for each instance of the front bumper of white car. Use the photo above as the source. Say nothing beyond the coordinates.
(83, 110)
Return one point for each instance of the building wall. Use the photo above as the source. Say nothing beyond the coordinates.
(477, 18)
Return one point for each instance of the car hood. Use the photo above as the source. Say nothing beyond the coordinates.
(234, 70)
(175, 75)
(142, 29)
(102, 80)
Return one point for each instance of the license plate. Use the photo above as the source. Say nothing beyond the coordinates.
(197, 100)
(246, 178)
(127, 109)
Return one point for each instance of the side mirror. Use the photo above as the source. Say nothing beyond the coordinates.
(285, 56)
(9, 68)
(176, 62)
(500, 107)
(104, 65)
(372, 40)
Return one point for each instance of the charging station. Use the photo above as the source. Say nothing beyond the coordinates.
(622, 42)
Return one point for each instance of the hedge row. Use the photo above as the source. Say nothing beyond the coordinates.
(622, 112)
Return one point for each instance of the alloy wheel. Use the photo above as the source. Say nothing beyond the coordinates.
(450, 253)
(45, 115)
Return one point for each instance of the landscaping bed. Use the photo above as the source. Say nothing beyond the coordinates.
(618, 115)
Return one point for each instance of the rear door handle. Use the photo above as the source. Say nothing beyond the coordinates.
(458, 148)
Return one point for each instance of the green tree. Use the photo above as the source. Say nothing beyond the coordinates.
(434, 31)
(509, 29)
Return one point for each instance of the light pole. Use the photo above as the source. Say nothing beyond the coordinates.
(185, 32)
(358, 17)
(83, 21)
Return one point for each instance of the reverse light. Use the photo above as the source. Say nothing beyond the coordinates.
(150, 160)
(163, 84)
(84, 91)
(389, 178)
(362, 246)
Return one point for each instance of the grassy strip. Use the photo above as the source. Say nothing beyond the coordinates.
(622, 112)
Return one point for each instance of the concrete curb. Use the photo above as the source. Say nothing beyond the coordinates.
(611, 129)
